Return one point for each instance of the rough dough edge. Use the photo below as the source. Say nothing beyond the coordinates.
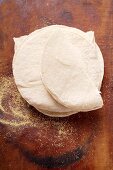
(56, 114)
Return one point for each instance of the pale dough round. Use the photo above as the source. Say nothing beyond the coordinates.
(56, 114)
(27, 65)
(26, 70)
(68, 71)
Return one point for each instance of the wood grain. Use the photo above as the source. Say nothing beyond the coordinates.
(21, 148)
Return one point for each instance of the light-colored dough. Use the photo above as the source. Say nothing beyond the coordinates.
(26, 69)
(67, 72)
(18, 43)
(56, 114)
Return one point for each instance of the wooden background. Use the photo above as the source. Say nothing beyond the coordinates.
(88, 144)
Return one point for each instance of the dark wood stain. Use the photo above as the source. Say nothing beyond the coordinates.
(64, 160)
(66, 15)
(59, 161)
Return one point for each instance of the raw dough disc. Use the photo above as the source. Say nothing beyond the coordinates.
(23, 82)
(28, 52)
(66, 74)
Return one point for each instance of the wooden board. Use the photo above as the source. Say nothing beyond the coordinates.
(30, 140)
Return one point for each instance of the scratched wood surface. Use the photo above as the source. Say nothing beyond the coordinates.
(83, 141)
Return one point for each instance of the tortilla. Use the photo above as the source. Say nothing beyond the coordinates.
(66, 71)
(27, 69)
